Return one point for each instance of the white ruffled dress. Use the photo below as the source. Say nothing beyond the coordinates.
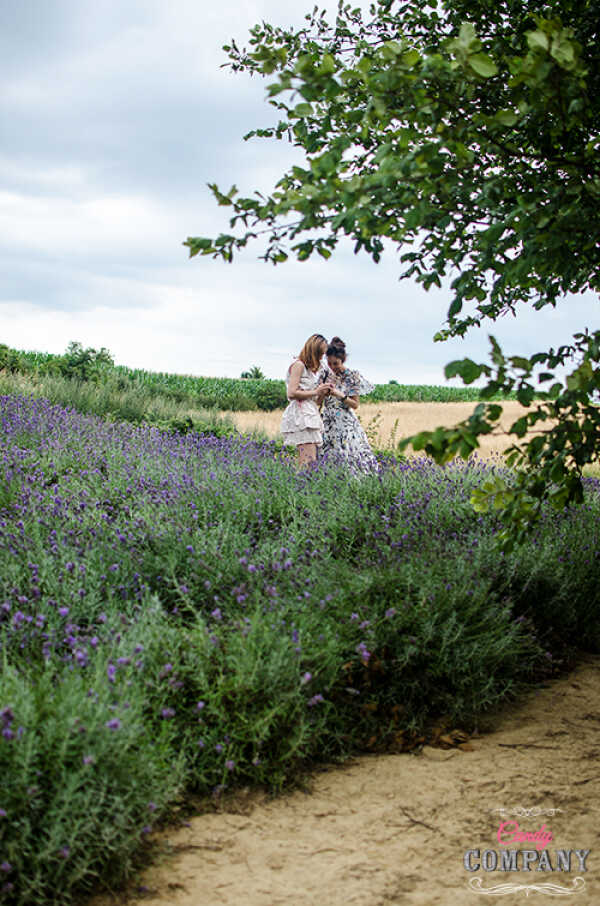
(301, 422)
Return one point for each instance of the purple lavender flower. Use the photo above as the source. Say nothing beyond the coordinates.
(315, 700)
(113, 724)
(362, 649)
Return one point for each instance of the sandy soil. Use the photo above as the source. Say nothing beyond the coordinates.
(393, 829)
(389, 422)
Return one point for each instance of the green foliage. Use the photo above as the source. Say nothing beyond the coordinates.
(79, 363)
(87, 788)
(154, 390)
(271, 396)
(465, 133)
(218, 427)
(120, 400)
(11, 360)
(563, 419)
(254, 373)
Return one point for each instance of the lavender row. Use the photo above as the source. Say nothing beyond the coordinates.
(190, 612)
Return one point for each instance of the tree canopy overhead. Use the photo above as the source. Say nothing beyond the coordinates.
(467, 133)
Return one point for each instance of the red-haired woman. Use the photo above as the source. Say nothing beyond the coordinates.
(301, 423)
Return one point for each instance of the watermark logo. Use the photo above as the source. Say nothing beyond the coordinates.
(507, 856)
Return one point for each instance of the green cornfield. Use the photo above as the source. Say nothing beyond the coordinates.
(234, 394)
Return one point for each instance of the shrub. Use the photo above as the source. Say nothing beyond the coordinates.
(10, 359)
(271, 396)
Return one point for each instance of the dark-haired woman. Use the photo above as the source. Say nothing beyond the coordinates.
(301, 423)
(343, 434)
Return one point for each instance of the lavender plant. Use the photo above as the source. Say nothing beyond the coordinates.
(185, 611)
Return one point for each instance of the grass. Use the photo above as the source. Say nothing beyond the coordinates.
(235, 394)
(117, 401)
(386, 423)
(187, 612)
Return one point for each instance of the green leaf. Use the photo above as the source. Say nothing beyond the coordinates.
(327, 65)
(198, 244)
(455, 307)
(520, 426)
(468, 370)
(525, 395)
(390, 50)
(410, 58)
(302, 110)
(563, 51)
(506, 117)
(467, 37)
(537, 40)
(518, 361)
(483, 65)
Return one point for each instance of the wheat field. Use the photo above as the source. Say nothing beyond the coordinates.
(387, 423)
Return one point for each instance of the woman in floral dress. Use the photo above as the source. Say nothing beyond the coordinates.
(343, 434)
(301, 423)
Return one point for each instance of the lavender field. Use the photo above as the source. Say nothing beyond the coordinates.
(187, 613)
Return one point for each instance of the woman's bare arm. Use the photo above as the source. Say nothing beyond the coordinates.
(294, 392)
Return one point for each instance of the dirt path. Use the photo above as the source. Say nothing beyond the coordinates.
(393, 829)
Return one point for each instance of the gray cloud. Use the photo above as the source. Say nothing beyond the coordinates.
(114, 117)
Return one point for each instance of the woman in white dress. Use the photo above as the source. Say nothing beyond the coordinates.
(343, 434)
(301, 424)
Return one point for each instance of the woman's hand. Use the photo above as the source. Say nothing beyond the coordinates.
(322, 391)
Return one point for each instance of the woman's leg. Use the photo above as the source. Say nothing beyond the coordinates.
(307, 453)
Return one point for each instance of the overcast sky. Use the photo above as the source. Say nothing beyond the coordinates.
(114, 115)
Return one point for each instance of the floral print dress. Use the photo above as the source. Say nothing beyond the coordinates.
(343, 434)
